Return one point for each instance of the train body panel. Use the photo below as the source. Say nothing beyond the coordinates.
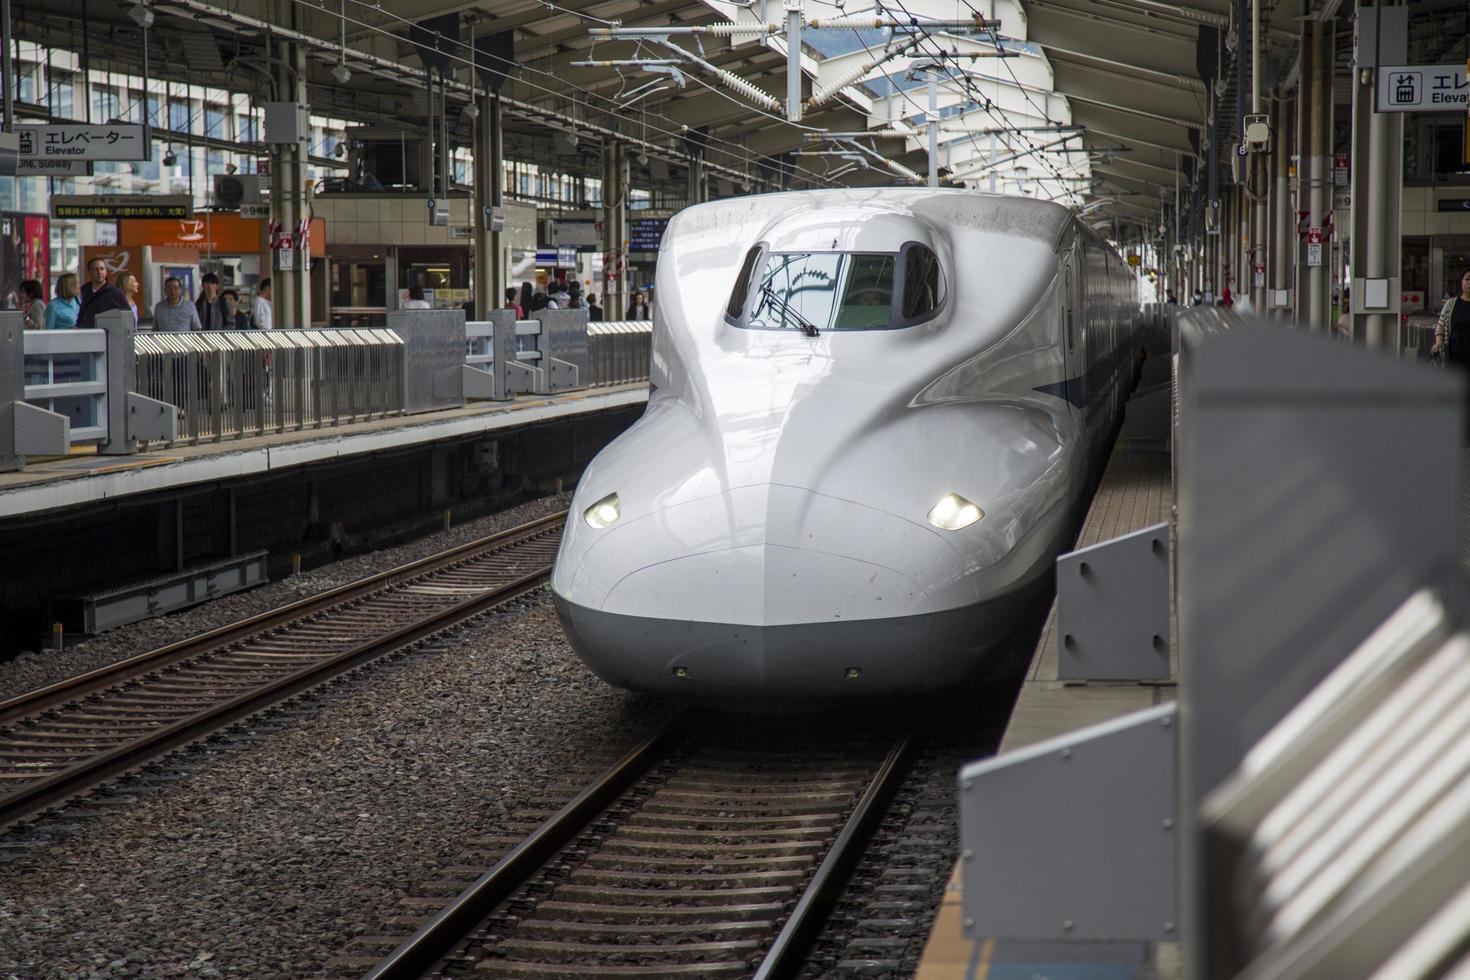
(774, 534)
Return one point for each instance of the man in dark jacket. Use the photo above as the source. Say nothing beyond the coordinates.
(211, 305)
(96, 279)
(107, 297)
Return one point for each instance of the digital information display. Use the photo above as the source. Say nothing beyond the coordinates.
(644, 234)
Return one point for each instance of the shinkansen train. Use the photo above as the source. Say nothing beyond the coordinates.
(873, 417)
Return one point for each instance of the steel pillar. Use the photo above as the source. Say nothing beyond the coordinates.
(1319, 201)
(1283, 232)
(614, 228)
(290, 204)
(1377, 192)
(490, 264)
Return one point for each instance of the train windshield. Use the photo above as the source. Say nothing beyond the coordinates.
(816, 291)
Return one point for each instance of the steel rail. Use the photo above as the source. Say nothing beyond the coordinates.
(36, 795)
(439, 936)
(789, 951)
(111, 674)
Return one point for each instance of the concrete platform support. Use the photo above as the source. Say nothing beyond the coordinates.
(490, 262)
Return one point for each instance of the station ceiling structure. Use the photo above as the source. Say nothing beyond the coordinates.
(1103, 104)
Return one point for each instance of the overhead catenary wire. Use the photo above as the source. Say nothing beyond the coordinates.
(561, 92)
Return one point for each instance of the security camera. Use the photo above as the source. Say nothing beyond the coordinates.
(142, 16)
(170, 157)
(342, 73)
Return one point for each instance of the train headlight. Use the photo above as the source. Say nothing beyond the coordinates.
(954, 512)
(603, 513)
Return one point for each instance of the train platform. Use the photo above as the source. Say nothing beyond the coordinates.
(1135, 493)
(53, 483)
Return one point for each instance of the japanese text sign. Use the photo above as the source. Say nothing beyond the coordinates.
(82, 141)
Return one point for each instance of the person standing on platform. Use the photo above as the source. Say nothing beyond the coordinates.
(130, 287)
(102, 299)
(97, 270)
(62, 311)
(260, 310)
(637, 307)
(210, 306)
(416, 299)
(33, 301)
(511, 304)
(594, 310)
(173, 314)
(235, 318)
(1452, 330)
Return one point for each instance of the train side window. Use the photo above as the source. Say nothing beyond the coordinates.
(738, 295)
(923, 284)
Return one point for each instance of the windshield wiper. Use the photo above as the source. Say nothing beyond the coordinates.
(786, 312)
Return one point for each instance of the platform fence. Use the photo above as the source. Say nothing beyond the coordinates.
(233, 384)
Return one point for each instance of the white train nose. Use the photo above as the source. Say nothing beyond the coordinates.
(773, 589)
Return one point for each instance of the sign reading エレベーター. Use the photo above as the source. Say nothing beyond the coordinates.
(1423, 88)
(83, 141)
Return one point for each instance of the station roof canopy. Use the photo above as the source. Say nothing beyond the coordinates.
(1122, 76)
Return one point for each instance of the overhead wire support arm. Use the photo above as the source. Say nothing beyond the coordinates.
(729, 79)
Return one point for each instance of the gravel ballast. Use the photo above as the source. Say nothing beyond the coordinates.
(289, 841)
(37, 668)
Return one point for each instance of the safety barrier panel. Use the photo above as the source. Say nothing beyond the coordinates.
(60, 388)
(1304, 812)
(557, 351)
(230, 384)
(66, 373)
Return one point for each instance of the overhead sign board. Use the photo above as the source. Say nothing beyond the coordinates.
(42, 167)
(113, 207)
(83, 141)
(645, 234)
(1423, 88)
(1461, 204)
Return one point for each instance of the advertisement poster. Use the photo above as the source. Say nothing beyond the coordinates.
(25, 253)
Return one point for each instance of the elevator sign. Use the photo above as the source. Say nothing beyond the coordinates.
(1423, 88)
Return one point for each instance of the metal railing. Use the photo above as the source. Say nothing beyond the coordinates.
(231, 384)
(618, 351)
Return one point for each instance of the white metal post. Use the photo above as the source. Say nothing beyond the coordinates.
(933, 131)
(793, 60)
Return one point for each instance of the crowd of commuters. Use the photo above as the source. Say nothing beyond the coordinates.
(568, 296)
(218, 308)
(215, 309)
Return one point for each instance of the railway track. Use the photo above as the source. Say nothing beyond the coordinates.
(703, 852)
(58, 741)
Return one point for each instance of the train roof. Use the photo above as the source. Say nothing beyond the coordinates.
(860, 219)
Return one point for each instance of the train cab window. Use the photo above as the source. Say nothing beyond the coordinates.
(742, 284)
(921, 283)
(838, 290)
